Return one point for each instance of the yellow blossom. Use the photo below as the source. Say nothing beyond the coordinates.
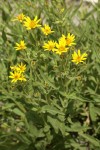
(14, 68)
(21, 45)
(20, 17)
(17, 73)
(21, 68)
(78, 57)
(61, 47)
(31, 24)
(15, 76)
(70, 39)
(46, 29)
(63, 38)
(49, 45)
(22, 78)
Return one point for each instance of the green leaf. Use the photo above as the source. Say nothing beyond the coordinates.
(97, 110)
(91, 139)
(56, 124)
(5, 14)
(93, 114)
(33, 130)
(77, 127)
(19, 146)
(8, 106)
(18, 112)
(4, 36)
(51, 109)
(23, 138)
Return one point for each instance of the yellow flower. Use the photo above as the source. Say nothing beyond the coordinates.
(70, 39)
(46, 30)
(14, 68)
(15, 76)
(22, 78)
(30, 24)
(17, 73)
(21, 45)
(63, 38)
(49, 45)
(21, 68)
(20, 17)
(61, 47)
(78, 57)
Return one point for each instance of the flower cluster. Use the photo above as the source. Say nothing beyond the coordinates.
(33, 23)
(62, 45)
(17, 73)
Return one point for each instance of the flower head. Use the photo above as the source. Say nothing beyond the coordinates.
(49, 45)
(21, 68)
(46, 29)
(14, 68)
(22, 77)
(17, 73)
(62, 38)
(21, 45)
(31, 24)
(61, 47)
(78, 57)
(20, 17)
(15, 76)
(70, 39)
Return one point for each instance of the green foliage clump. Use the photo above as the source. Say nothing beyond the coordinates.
(58, 106)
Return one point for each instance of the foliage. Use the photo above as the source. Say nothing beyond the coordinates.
(57, 106)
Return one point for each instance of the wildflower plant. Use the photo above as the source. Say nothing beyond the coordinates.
(50, 76)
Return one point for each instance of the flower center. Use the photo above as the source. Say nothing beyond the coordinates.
(47, 30)
(51, 47)
(32, 24)
(79, 58)
(68, 41)
(61, 48)
(20, 17)
(16, 76)
(21, 46)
